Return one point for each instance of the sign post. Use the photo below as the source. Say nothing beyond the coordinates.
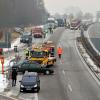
(2, 62)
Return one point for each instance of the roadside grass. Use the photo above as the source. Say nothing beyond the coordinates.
(14, 35)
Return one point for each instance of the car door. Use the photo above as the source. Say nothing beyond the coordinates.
(32, 68)
(35, 68)
(25, 67)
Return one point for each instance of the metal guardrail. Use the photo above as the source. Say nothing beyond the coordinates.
(92, 53)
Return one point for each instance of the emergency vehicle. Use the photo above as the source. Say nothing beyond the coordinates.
(43, 54)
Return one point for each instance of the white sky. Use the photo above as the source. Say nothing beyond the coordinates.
(54, 6)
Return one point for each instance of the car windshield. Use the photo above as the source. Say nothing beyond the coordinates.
(25, 36)
(50, 21)
(37, 54)
(26, 33)
(29, 79)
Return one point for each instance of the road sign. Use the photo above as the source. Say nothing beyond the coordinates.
(2, 60)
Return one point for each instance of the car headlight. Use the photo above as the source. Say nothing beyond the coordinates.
(22, 86)
(35, 85)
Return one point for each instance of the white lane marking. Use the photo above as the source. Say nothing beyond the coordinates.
(63, 72)
(70, 88)
(92, 74)
(36, 96)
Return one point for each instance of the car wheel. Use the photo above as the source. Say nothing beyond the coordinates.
(38, 89)
(47, 72)
(23, 72)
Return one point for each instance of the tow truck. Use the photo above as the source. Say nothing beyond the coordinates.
(43, 54)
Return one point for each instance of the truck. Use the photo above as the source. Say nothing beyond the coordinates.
(60, 22)
(43, 54)
(37, 32)
(51, 22)
(75, 24)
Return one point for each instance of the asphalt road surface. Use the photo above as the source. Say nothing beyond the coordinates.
(72, 80)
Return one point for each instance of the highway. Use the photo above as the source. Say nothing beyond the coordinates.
(71, 80)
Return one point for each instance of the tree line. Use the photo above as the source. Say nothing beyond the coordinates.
(21, 12)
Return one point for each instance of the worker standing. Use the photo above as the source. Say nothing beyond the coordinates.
(26, 51)
(59, 52)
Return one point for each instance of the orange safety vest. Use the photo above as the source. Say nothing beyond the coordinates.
(59, 51)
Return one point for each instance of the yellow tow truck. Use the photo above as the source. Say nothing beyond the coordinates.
(43, 55)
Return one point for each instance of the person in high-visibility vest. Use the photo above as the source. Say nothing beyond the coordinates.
(59, 52)
(26, 51)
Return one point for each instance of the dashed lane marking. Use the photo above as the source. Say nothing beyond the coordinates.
(69, 87)
(63, 72)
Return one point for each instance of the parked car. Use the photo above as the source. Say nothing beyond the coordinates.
(30, 81)
(32, 67)
(26, 39)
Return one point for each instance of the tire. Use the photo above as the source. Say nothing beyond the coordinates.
(23, 72)
(38, 89)
(47, 72)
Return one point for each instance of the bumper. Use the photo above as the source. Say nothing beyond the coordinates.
(28, 88)
(38, 36)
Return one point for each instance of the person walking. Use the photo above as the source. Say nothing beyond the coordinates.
(59, 52)
(14, 77)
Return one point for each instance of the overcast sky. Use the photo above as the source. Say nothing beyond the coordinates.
(60, 5)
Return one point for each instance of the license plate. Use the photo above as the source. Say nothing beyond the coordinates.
(28, 88)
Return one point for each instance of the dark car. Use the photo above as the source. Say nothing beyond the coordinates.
(26, 39)
(30, 81)
(32, 67)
